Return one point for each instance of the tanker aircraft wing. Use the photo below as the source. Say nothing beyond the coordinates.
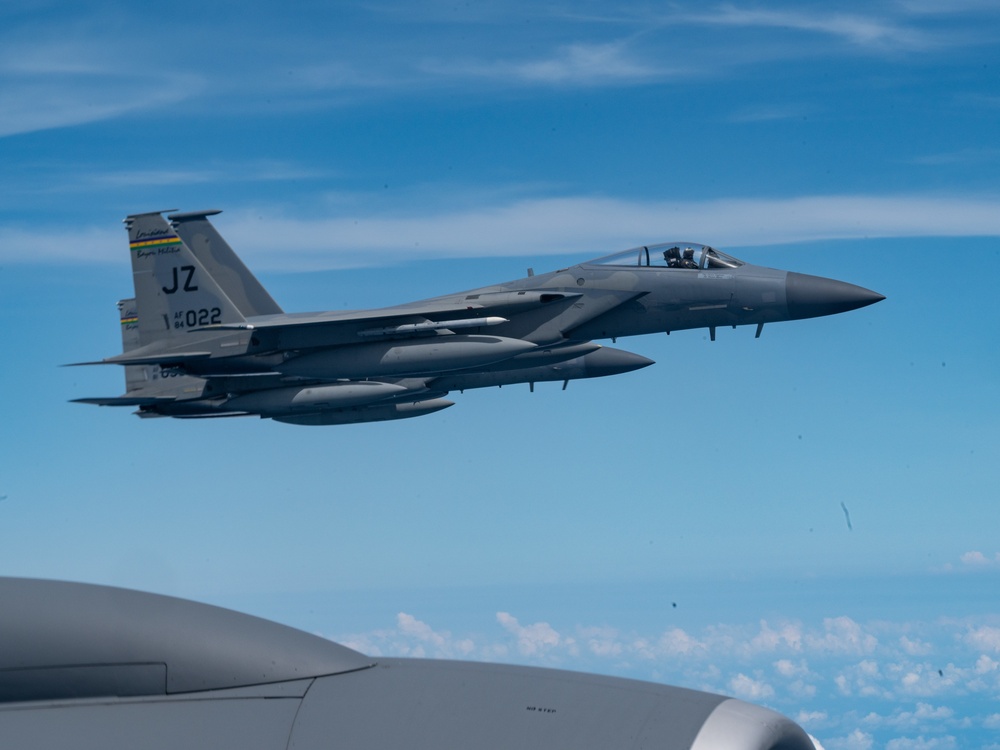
(87, 666)
(203, 338)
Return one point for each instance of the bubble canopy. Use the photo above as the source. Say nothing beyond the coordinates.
(680, 255)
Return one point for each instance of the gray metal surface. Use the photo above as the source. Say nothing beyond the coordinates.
(203, 338)
(455, 704)
(222, 263)
(235, 682)
(63, 640)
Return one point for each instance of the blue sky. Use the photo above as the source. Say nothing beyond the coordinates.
(373, 153)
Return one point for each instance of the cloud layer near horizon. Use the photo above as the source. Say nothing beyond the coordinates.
(910, 675)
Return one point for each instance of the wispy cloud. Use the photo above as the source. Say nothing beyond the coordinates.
(863, 31)
(81, 245)
(219, 173)
(953, 7)
(773, 112)
(580, 226)
(587, 226)
(65, 75)
(962, 157)
(76, 99)
(579, 64)
(58, 75)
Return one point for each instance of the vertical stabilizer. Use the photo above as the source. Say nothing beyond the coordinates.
(135, 375)
(151, 380)
(174, 292)
(130, 325)
(221, 261)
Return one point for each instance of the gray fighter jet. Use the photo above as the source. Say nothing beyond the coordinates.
(203, 338)
(86, 666)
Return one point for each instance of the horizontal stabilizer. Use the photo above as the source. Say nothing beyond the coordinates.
(158, 359)
(125, 401)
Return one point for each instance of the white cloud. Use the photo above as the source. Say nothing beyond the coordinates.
(922, 717)
(864, 678)
(581, 226)
(536, 639)
(977, 559)
(921, 743)
(580, 64)
(856, 690)
(76, 245)
(856, 740)
(914, 646)
(787, 636)
(936, 7)
(69, 76)
(414, 638)
(788, 668)
(602, 641)
(410, 626)
(252, 171)
(985, 665)
(965, 156)
(42, 105)
(985, 637)
(677, 642)
(73, 74)
(863, 31)
(674, 642)
(772, 112)
(973, 561)
(842, 635)
(749, 688)
(811, 717)
(588, 226)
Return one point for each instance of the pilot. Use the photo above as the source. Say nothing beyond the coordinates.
(688, 261)
(673, 257)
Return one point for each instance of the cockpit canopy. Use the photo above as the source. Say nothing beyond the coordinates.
(689, 255)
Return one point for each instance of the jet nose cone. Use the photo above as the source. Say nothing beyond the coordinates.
(813, 296)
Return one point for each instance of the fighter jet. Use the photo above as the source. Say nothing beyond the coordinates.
(85, 666)
(203, 338)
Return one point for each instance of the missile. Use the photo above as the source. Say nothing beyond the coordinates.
(434, 325)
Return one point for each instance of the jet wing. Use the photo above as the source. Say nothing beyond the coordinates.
(87, 666)
(471, 310)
